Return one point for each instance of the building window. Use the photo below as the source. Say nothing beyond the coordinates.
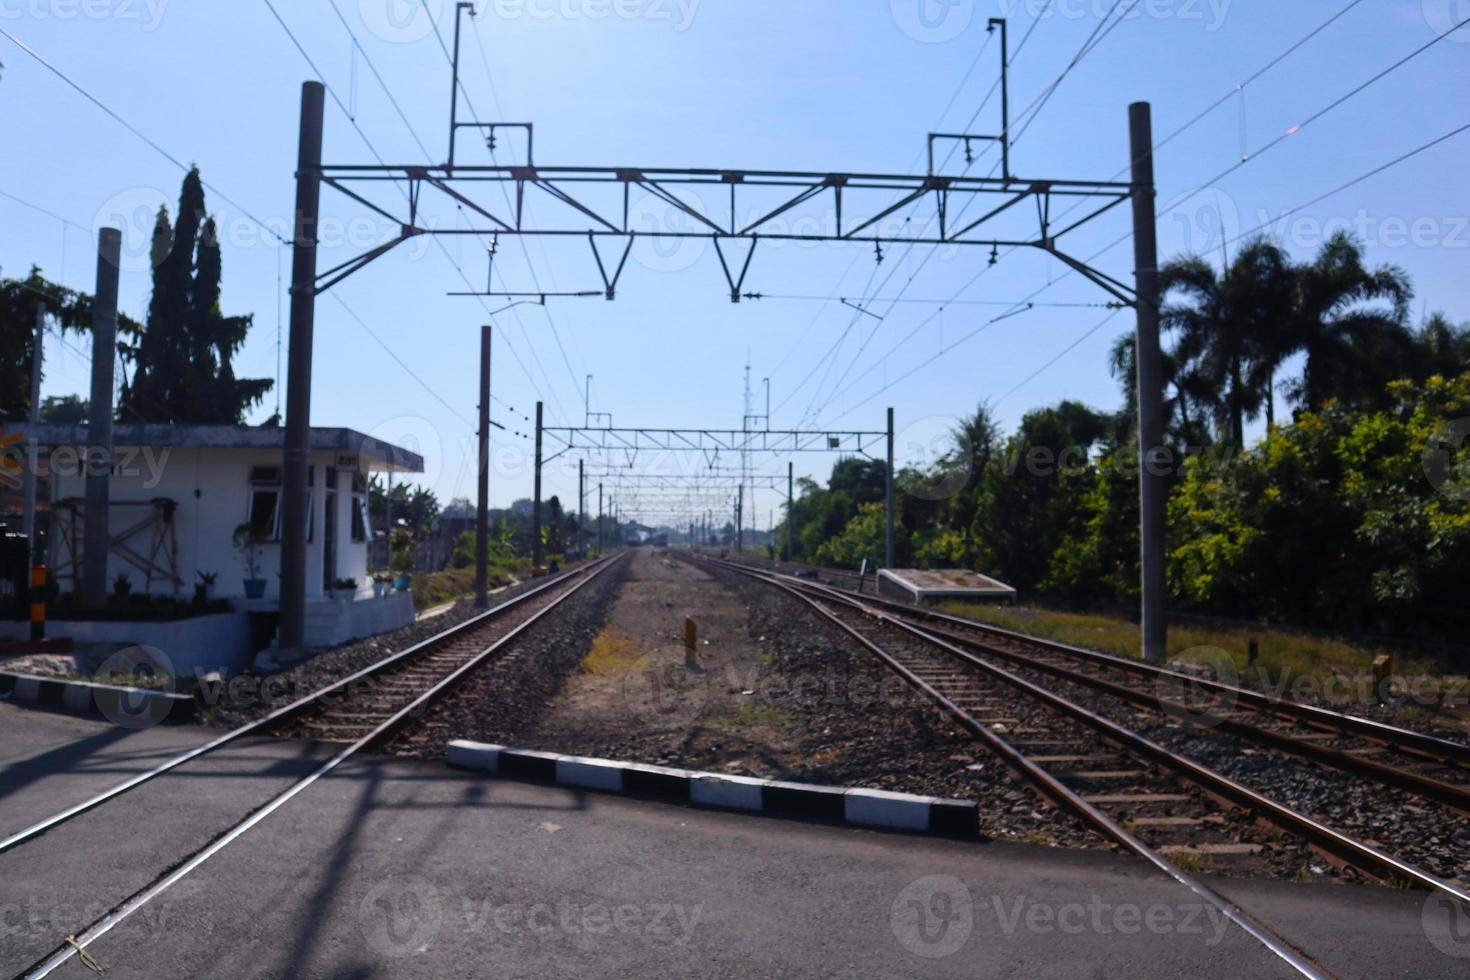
(265, 502)
(360, 520)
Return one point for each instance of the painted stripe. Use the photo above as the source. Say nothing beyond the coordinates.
(472, 755)
(954, 818)
(878, 808)
(77, 698)
(529, 765)
(730, 792)
(81, 697)
(590, 773)
(825, 802)
(859, 807)
(38, 612)
(657, 781)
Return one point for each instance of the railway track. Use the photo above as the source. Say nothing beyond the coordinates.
(1429, 766)
(360, 712)
(1157, 803)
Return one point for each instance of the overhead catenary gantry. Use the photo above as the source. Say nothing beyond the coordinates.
(710, 443)
(837, 206)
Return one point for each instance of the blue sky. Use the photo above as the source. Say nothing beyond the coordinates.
(822, 85)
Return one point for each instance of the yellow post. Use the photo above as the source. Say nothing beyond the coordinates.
(38, 602)
(1383, 678)
(691, 643)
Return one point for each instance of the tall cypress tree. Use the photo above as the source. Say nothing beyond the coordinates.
(182, 369)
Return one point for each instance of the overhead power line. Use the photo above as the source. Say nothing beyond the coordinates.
(301, 49)
(135, 131)
(1336, 103)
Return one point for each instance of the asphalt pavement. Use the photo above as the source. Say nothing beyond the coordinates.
(404, 868)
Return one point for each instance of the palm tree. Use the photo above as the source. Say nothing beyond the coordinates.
(1349, 321)
(1441, 348)
(1230, 329)
(1183, 404)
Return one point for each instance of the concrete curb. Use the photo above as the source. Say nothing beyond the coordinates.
(120, 705)
(869, 808)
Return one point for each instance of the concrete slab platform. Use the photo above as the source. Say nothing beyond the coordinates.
(404, 868)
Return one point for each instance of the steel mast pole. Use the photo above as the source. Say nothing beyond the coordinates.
(482, 505)
(538, 551)
(298, 371)
(790, 509)
(95, 529)
(33, 455)
(1153, 459)
(888, 499)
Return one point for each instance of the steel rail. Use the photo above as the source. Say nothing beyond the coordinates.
(1425, 746)
(1057, 792)
(281, 714)
(1215, 784)
(74, 945)
(1449, 794)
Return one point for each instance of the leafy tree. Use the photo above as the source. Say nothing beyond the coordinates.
(1441, 348)
(861, 538)
(182, 364)
(1336, 520)
(416, 506)
(65, 410)
(1032, 491)
(67, 310)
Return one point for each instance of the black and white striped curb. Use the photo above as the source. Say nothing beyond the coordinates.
(861, 807)
(117, 704)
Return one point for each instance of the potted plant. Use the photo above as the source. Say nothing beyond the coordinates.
(205, 584)
(382, 584)
(402, 558)
(248, 539)
(344, 589)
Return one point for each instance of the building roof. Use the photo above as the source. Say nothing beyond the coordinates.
(374, 453)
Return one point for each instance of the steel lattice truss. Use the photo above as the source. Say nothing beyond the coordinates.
(711, 442)
(693, 482)
(775, 205)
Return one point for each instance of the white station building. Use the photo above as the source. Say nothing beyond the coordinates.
(178, 492)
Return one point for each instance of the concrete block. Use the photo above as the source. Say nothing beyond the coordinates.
(879, 808)
(474, 755)
(731, 792)
(590, 773)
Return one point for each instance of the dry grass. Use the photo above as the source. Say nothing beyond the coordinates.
(1296, 664)
(613, 652)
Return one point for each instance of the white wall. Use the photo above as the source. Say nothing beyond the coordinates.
(212, 490)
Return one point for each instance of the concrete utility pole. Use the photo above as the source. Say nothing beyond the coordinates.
(1153, 459)
(99, 427)
(482, 503)
(33, 456)
(538, 552)
(888, 499)
(790, 513)
(599, 521)
(581, 509)
(297, 460)
(740, 520)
